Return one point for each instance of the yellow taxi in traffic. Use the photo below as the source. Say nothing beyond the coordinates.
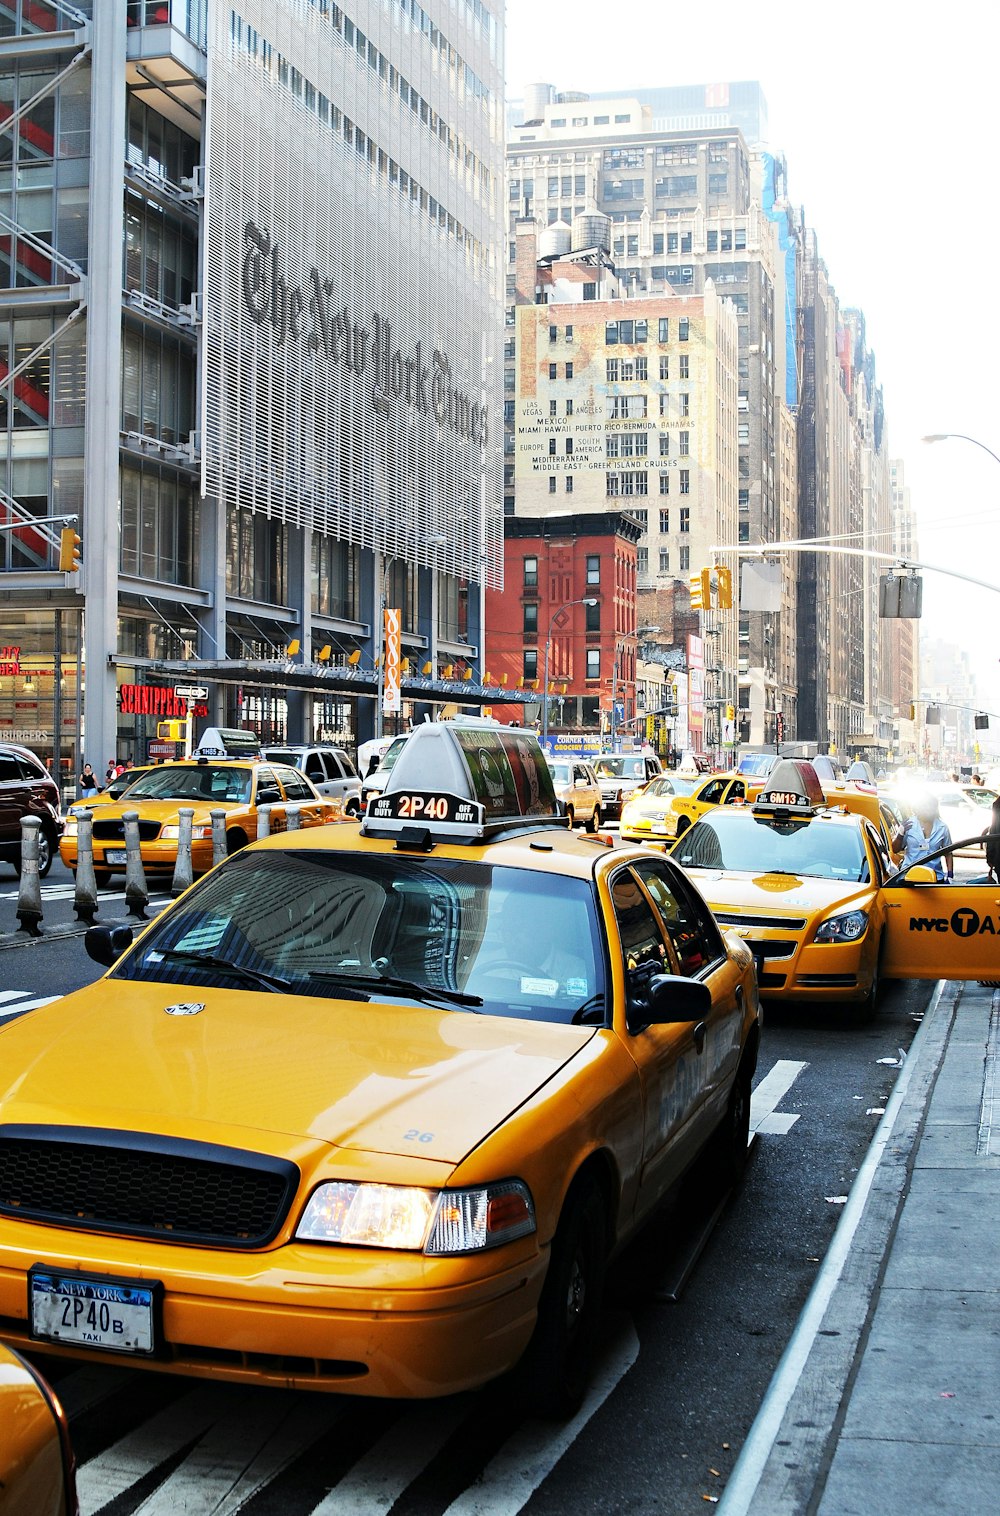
(646, 815)
(369, 1108)
(817, 897)
(37, 1469)
(710, 790)
(211, 780)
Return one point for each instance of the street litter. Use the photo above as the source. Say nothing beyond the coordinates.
(875, 1110)
(835, 1199)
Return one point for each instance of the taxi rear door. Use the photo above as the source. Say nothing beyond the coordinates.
(941, 931)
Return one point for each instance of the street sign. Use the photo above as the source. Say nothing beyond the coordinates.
(192, 692)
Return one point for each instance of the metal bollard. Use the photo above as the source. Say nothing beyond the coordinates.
(183, 868)
(263, 821)
(218, 836)
(136, 891)
(85, 893)
(29, 894)
(293, 818)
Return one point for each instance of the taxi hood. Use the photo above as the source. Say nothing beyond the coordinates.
(791, 894)
(255, 1069)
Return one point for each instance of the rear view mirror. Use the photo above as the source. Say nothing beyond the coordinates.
(106, 944)
(920, 874)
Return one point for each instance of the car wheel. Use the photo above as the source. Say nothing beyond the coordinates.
(555, 1371)
(235, 840)
(46, 853)
(865, 1010)
(728, 1146)
(571, 817)
(352, 808)
(102, 878)
(595, 819)
(682, 825)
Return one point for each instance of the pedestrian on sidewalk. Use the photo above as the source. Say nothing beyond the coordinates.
(926, 833)
(88, 781)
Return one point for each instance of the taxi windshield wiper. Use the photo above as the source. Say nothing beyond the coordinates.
(223, 965)
(430, 994)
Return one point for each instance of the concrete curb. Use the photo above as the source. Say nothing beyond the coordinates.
(20, 939)
(791, 1443)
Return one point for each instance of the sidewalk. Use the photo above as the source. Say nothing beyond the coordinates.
(887, 1399)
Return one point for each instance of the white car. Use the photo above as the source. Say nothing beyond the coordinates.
(329, 768)
(577, 791)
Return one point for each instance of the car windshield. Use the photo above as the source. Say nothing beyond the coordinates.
(757, 763)
(620, 766)
(665, 787)
(283, 755)
(390, 755)
(745, 843)
(562, 773)
(125, 781)
(980, 795)
(375, 927)
(202, 781)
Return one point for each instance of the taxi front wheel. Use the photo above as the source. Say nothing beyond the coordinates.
(729, 1145)
(555, 1371)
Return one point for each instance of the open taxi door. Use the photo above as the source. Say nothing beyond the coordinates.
(941, 931)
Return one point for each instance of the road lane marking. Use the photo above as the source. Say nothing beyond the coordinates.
(377, 1480)
(765, 1119)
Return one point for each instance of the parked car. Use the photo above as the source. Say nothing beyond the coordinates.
(329, 768)
(577, 790)
(27, 789)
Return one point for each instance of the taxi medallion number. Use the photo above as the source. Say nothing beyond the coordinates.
(404, 805)
(88, 1311)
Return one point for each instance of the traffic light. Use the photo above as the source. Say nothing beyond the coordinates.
(69, 550)
(730, 713)
(913, 711)
(701, 590)
(724, 588)
(171, 731)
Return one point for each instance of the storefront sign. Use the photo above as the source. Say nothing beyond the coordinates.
(10, 661)
(150, 700)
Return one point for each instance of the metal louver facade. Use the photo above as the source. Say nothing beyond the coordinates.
(352, 283)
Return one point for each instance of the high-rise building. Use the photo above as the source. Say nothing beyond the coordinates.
(252, 302)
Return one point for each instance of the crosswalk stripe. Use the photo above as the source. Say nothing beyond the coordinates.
(111, 1473)
(764, 1116)
(241, 1454)
(6, 995)
(378, 1479)
(31, 1005)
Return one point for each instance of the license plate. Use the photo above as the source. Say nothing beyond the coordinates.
(115, 855)
(84, 1310)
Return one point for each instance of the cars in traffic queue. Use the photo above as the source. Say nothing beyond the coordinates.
(817, 897)
(620, 775)
(114, 790)
(374, 783)
(328, 768)
(236, 786)
(716, 789)
(369, 1108)
(578, 791)
(37, 1468)
(645, 814)
(27, 789)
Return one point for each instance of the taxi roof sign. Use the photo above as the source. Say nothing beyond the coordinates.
(227, 742)
(462, 779)
(792, 785)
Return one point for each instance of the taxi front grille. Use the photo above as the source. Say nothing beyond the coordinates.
(763, 947)
(783, 923)
(114, 831)
(142, 1186)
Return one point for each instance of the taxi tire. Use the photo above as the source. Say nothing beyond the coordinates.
(555, 1371)
(865, 1010)
(235, 840)
(729, 1145)
(595, 820)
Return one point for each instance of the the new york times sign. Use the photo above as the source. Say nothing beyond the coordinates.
(304, 315)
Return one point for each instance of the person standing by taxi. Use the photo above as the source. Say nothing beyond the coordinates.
(926, 833)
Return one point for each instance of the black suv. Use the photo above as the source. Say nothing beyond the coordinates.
(27, 789)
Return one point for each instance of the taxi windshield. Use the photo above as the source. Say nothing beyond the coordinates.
(620, 766)
(199, 782)
(370, 927)
(664, 787)
(813, 848)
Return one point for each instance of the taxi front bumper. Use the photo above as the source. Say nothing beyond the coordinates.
(158, 856)
(790, 969)
(302, 1316)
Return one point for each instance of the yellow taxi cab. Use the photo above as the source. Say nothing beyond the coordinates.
(114, 790)
(213, 779)
(37, 1469)
(645, 815)
(818, 898)
(368, 1109)
(711, 790)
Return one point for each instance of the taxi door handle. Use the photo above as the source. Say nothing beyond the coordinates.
(699, 1034)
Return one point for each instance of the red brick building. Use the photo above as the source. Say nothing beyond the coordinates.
(552, 565)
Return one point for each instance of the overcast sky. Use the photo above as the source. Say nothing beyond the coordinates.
(887, 115)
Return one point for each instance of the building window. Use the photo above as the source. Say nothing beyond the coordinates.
(663, 329)
(552, 407)
(664, 560)
(685, 484)
(611, 370)
(664, 405)
(744, 501)
(684, 443)
(552, 484)
(683, 329)
(664, 518)
(553, 369)
(685, 400)
(569, 334)
(531, 573)
(569, 446)
(626, 407)
(664, 441)
(530, 618)
(685, 514)
(664, 488)
(627, 484)
(685, 366)
(642, 560)
(743, 433)
(530, 663)
(593, 663)
(569, 407)
(712, 242)
(569, 484)
(553, 333)
(569, 371)
(633, 369)
(590, 291)
(718, 184)
(593, 568)
(552, 446)
(593, 622)
(685, 557)
(664, 366)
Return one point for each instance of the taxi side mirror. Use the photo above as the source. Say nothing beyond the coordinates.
(920, 874)
(106, 944)
(669, 998)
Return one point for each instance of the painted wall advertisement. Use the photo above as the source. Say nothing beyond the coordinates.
(696, 692)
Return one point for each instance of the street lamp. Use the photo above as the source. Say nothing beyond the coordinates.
(962, 437)
(588, 600)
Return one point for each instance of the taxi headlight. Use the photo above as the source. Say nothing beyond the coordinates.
(173, 832)
(70, 825)
(435, 1221)
(846, 928)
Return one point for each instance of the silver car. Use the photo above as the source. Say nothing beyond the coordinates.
(578, 791)
(329, 768)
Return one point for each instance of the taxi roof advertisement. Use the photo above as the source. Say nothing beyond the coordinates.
(509, 774)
